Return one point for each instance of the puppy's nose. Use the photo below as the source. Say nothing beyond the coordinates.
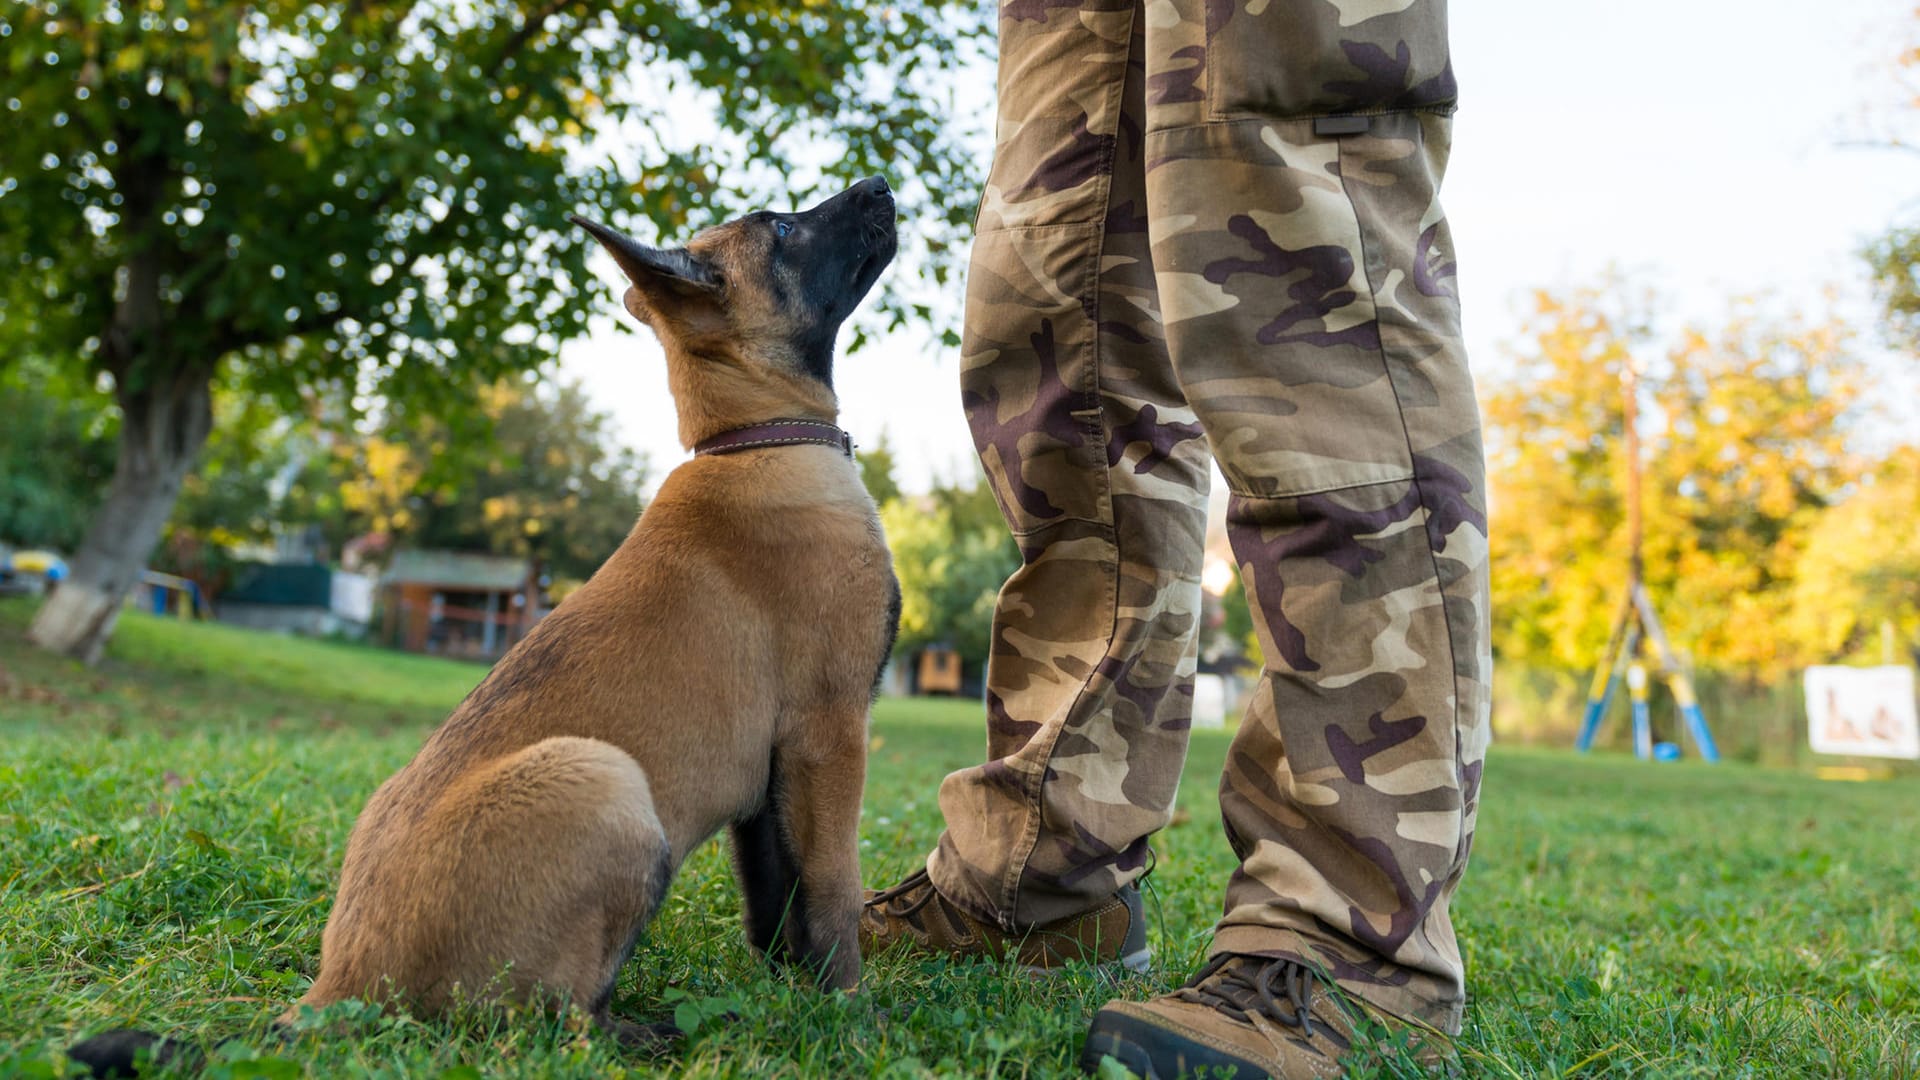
(876, 185)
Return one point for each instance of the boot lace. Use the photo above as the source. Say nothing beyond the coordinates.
(1239, 986)
(884, 899)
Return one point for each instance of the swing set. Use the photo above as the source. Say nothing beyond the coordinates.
(1637, 626)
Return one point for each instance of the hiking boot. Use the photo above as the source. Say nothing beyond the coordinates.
(913, 914)
(1250, 1016)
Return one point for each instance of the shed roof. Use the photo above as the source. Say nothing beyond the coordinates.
(468, 570)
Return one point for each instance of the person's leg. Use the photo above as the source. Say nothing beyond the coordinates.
(1308, 294)
(1101, 473)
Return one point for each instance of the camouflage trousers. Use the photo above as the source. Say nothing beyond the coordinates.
(1213, 227)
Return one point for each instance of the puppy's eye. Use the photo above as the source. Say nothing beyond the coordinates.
(782, 228)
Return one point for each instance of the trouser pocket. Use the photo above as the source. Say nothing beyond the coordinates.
(1297, 58)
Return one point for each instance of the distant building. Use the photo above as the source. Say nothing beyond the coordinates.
(301, 599)
(458, 603)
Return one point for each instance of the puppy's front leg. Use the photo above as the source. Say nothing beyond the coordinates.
(769, 877)
(820, 799)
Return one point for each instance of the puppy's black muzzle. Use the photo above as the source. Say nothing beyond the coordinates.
(863, 218)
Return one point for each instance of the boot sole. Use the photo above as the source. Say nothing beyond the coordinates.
(1124, 1039)
(1139, 963)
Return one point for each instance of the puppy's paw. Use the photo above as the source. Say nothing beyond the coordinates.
(652, 1039)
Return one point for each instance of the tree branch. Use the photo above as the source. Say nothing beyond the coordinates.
(529, 29)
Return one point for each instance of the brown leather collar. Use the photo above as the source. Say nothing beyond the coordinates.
(776, 433)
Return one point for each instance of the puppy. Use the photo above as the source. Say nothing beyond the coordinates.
(716, 672)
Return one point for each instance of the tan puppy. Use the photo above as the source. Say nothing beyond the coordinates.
(716, 672)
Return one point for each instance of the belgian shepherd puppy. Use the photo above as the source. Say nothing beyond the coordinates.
(715, 673)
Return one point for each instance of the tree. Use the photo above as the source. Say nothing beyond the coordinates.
(551, 484)
(380, 485)
(1860, 568)
(362, 197)
(1745, 448)
(951, 552)
(237, 494)
(876, 471)
(1755, 450)
(1894, 258)
(56, 461)
(1553, 445)
(542, 477)
(56, 455)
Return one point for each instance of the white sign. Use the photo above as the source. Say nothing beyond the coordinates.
(1209, 701)
(352, 596)
(1862, 711)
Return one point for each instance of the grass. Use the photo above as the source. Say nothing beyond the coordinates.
(171, 822)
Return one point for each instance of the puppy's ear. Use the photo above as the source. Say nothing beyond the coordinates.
(659, 275)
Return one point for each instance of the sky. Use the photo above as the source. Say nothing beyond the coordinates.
(1707, 149)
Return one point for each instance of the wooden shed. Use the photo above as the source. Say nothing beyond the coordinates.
(458, 603)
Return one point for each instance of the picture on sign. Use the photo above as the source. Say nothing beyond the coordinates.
(1862, 711)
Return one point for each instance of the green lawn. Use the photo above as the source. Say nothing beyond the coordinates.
(170, 824)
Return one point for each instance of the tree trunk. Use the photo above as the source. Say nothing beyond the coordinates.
(162, 428)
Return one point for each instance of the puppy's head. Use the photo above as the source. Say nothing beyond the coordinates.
(748, 311)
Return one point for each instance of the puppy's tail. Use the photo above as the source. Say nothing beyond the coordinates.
(127, 1052)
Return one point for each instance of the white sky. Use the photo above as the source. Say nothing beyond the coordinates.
(1699, 146)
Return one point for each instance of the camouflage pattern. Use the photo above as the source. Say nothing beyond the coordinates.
(1101, 471)
(1214, 226)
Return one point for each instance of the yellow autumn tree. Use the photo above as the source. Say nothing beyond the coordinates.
(1744, 429)
(1555, 461)
(546, 480)
(380, 483)
(1860, 569)
(1756, 449)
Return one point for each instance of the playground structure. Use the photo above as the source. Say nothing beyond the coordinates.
(1639, 624)
(162, 593)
